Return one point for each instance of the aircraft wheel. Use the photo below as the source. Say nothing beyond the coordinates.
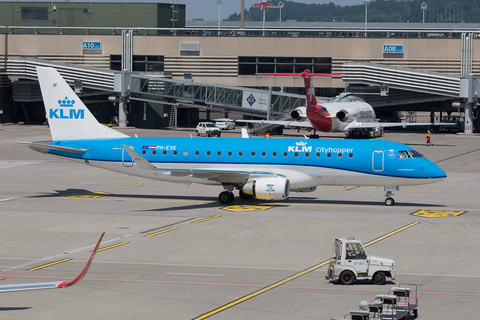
(226, 197)
(245, 196)
(378, 278)
(389, 202)
(347, 277)
(198, 133)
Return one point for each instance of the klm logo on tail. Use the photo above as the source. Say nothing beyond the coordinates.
(70, 113)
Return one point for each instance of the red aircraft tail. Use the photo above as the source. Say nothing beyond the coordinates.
(309, 89)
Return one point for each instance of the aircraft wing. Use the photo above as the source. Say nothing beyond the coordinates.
(286, 123)
(53, 284)
(366, 125)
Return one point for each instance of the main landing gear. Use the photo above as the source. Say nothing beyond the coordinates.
(226, 197)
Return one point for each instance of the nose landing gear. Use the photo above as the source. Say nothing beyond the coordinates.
(388, 195)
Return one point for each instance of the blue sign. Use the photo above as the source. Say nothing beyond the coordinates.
(392, 48)
(251, 100)
(91, 45)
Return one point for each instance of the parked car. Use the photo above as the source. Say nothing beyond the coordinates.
(208, 128)
(225, 124)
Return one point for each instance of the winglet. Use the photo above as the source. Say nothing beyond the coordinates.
(85, 269)
(141, 162)
(245, 133)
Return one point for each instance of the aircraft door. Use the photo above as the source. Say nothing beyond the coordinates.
(127, 161)
(378, 156)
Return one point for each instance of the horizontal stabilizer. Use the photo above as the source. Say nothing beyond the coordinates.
(43, 147)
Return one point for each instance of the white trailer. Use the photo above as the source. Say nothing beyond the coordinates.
(350, 262)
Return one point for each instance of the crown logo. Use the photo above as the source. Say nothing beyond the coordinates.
(66, 103)
(301, 143)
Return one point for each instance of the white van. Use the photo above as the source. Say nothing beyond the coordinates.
(225, 124)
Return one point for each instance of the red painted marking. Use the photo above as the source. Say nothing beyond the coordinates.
(299, 74)
(247, 286)
(476, 160)
(464, 164)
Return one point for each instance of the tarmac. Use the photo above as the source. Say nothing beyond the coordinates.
(172, 251)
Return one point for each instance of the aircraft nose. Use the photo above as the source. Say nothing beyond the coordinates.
(432, 171)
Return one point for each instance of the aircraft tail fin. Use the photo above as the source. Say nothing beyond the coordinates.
(309, 89)
(68, 117)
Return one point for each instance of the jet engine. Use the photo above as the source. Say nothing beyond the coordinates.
(299, 114)
(272, 188)
(347, 115)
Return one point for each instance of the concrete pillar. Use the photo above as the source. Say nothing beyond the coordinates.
(122, 115)
(269, 102)
(468, 118)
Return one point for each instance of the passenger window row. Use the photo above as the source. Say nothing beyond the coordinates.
(253, 153)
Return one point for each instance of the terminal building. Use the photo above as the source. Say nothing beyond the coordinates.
(422, 65)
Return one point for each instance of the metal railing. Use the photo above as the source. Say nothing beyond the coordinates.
(93, 78)
(401, 78)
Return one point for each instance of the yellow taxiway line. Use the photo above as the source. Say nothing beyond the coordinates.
(112, 246)
(160, 232)
(206, 219)
(49, 264)
(133, 185)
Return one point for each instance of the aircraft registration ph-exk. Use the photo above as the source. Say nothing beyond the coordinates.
(268, 169)
(345, 113)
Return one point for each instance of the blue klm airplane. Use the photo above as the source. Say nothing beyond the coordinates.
(267, 169)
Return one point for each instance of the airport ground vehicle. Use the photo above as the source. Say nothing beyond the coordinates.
(208, 128)
(225, 124)
(350, 262)
(399, 304)
(449, 124)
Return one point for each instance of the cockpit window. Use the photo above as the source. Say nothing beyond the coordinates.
(403, 154)
(415, 154)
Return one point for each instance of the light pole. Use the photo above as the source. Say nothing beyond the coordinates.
(366, 6)
(263, 5)
(219, 2)
(423, 7)
(280, 6)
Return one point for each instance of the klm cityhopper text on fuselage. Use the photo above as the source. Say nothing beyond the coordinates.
(66, 111)
(267, 169)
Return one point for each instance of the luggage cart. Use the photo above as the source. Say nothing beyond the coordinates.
(407, 300)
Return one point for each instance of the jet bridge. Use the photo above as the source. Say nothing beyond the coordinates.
(217, 97)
